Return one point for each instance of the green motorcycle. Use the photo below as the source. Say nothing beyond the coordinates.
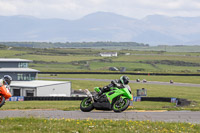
(117, 100)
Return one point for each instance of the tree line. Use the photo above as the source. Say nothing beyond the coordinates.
(73, 44)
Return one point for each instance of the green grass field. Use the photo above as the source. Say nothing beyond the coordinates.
(36, 125)
(52, 105)
(60, 59)
(148, 57)
(89, 60)
(179, 79)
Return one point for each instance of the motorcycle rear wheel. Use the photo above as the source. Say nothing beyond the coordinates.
(2, 100)
(86, 105)
(121, 106)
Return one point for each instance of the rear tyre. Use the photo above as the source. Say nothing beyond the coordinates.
(2, 100)
(121, 105)
(86, 105)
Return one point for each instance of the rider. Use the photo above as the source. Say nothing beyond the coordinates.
(6, 80)
(4, 86)
(119, 83)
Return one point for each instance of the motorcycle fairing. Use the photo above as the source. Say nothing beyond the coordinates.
(118, 92)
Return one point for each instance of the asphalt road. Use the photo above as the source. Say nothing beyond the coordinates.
(167, 116)
(131, 81)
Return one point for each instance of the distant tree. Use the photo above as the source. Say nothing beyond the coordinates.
(74, 44)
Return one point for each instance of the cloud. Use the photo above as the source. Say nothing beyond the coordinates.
(6, 7)
(73, 9)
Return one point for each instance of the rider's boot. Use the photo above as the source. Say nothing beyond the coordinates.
(97, 96)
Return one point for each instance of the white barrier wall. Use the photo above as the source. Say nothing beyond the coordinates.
(62, 89)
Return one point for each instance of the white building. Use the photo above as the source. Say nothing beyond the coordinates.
(108, 54)
(41, 88)
(17, 69)
(24, 83)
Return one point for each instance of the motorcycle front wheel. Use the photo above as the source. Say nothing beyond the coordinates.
(86, 105)
(2, 100)
(121, 105)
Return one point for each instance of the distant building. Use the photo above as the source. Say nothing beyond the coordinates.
(127, 53)
(24, 83)
(108, 54)
(41, 88)
(17, 69)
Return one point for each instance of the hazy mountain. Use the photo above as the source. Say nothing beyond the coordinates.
(103, 26)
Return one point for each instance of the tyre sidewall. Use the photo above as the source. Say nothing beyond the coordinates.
(124, 107)
(86, 109)
(2, 102)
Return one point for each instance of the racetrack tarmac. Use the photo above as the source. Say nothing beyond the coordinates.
(167, 116)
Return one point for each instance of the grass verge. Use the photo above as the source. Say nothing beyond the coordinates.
(52, 105)
(24, 125)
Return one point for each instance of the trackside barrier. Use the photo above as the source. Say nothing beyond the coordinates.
(183, 102)
(178, 101)
(174, 100)
(16, 98)
(51, 98)
(156, 99)
(136, 99)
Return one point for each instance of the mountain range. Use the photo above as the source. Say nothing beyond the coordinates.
(103, 26)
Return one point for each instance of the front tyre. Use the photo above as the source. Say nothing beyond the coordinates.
(86, 105)
(121, 105)
(2, 100)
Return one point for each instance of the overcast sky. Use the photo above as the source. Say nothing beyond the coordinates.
(74, 9)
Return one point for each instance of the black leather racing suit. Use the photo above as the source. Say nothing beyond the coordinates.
(114, 83)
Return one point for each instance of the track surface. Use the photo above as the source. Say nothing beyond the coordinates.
(132, 81)
(167, 116)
